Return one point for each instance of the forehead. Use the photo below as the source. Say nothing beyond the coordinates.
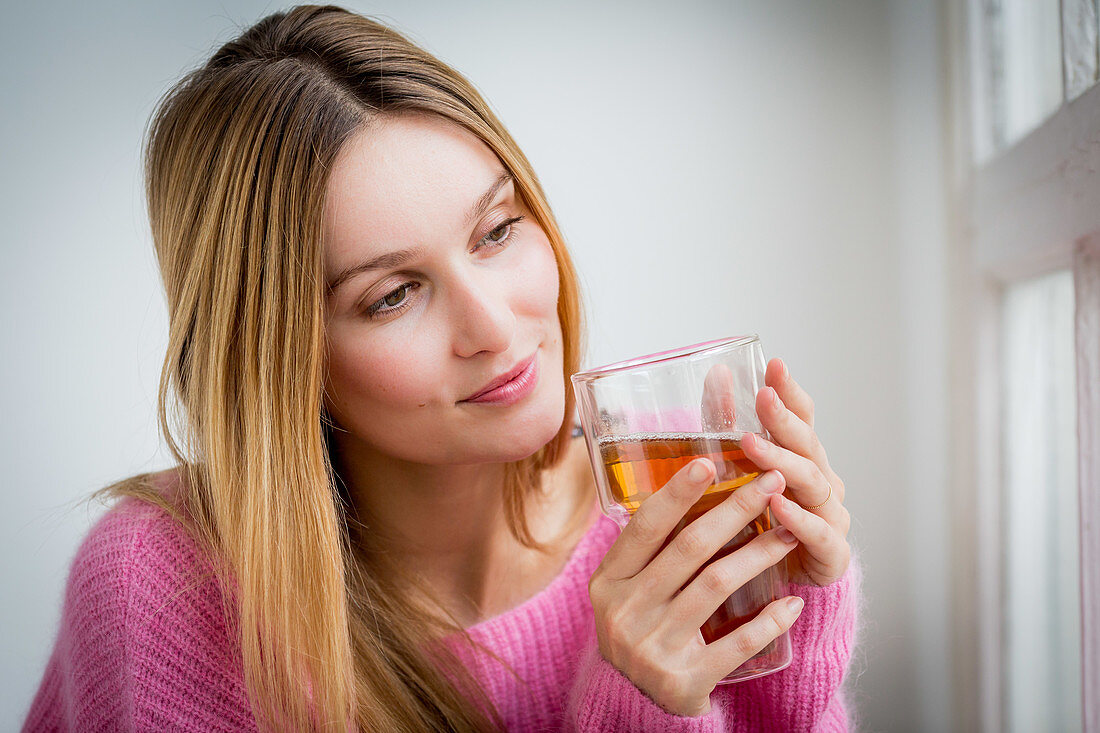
(403, 181)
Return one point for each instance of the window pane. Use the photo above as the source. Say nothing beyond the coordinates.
(1042, 626)
(1022, 61)
(1079, 45)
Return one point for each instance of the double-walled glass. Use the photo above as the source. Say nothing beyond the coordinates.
(646, 418)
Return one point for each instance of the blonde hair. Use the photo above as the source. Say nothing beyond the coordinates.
(237, 159)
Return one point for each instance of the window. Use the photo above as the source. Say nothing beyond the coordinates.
(1025, 133)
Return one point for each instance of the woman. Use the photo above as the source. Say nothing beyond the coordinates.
(372, 525)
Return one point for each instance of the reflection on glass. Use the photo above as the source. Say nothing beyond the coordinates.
(1042, 625)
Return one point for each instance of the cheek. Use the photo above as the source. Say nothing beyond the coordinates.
(375, 375)
(539, 283)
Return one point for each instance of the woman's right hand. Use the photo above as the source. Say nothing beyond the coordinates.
(648, 628)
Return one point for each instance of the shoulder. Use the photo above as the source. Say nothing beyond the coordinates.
(143, 621)
(139, 564)
(132, 529)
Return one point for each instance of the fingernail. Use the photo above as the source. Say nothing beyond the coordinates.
(773, 397)
(795, 604)
(786, 372)
(698, 471)
(748, 440)
(771, 482)
(786, 535)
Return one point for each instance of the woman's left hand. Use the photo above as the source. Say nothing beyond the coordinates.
(812, 507)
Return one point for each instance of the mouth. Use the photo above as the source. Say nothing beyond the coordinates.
(511, 385)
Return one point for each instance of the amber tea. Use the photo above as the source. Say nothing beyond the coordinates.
(640, 464)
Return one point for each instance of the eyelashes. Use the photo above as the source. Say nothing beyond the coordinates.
(390, 304)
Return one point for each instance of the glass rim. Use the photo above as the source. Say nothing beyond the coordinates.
(617, 367)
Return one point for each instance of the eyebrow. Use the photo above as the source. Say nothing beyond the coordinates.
(401, 256)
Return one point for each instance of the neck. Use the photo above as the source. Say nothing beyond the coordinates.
(447, 526)
(426, 510)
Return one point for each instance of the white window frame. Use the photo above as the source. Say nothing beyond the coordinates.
(1028, 210)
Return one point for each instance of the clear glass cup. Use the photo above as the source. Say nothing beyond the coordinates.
(646, 418)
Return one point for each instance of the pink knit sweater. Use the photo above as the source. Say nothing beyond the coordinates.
(139, 650)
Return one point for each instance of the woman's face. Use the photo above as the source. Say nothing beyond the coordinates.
(463, 290)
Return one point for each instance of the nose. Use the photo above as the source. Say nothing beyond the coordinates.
(483, 316)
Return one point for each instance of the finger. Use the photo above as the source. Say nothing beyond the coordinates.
(778, 377)
(718, 404)
(732, 650)
(783, 420)
(787, 429)
(698, 542)
(806, 482)
(718, 581)
(656, 518)
(826, 553)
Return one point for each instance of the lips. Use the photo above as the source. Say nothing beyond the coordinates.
(503, 379)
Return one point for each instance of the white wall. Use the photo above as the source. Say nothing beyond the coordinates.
(919, 172)
(717, 170)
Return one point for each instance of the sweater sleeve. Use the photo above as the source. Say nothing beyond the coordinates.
(603, 699)
(805, 696)
(141, 646)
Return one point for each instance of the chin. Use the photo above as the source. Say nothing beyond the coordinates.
(525, 439)
(525, 448)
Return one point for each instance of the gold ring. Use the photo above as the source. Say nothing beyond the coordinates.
(830, 496)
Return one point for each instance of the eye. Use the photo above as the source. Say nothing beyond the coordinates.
(499, 234)
(502, 233)
(393, 302)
